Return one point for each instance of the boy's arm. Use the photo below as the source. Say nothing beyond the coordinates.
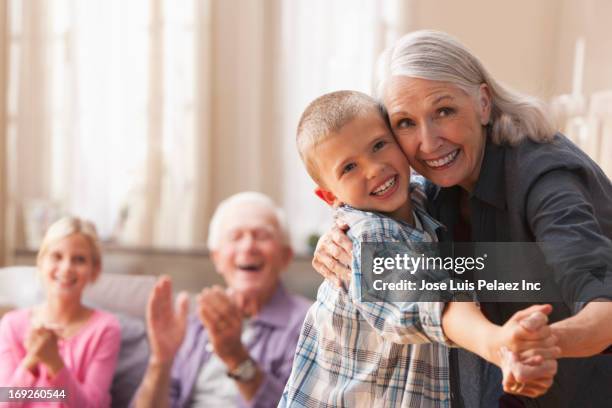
(422, 322)
(585, 334)
(398, 322)
(523, 347)
(486, 339)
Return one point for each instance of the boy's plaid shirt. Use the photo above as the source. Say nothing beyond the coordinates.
(358, 354)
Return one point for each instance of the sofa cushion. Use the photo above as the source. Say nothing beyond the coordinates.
(117, 293)
(120, 293)
(19, 287)
(133, 359)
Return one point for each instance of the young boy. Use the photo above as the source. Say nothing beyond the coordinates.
(355, 353)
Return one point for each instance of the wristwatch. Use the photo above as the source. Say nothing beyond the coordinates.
(244, 372)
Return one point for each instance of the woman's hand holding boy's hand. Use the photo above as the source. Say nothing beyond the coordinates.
(526, 330)
(523, 378)
(528, 359)
(333, 254)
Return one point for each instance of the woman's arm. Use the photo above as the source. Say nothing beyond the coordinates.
(587, 333)
(15, 371)
(562, 217)
(94, 390)
(333, 255)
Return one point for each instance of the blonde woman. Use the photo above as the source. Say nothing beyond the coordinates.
(61, 343)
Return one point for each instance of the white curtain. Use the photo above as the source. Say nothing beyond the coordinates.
(600, 121)
(327, 46)
(5, 238)
(83, 135)
(142, 115)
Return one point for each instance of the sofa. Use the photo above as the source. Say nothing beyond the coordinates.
(123, 295)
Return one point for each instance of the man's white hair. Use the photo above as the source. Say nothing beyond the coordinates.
(247, 198)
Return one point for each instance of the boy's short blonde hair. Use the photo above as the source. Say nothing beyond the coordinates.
(327, 115)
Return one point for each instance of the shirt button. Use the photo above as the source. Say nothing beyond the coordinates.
(209, 347)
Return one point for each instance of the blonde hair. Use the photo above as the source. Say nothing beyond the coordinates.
(249, 198)
(67, 226)
(326, 115)
(437, 56)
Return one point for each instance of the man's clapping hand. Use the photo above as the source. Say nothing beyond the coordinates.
(166, 322)
(220, 313)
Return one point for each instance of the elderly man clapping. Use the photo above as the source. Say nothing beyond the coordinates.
(237, 350)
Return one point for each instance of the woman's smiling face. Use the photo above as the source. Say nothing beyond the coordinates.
(67, 266)
(440, 128)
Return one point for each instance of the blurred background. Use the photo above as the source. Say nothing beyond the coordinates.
(142, 115)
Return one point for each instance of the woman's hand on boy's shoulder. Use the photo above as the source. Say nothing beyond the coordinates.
(333, 254)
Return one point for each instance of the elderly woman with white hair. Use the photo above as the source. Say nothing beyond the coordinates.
(61, 350)
(500, 173)
(237, 350)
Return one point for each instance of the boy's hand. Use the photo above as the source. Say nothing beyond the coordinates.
(529, 371)
(333, 255)
(525, 330)
(522, 378)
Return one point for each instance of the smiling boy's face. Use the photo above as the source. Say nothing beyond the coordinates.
(362, 165)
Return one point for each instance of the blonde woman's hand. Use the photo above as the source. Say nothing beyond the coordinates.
(41, 345)
(31, 344)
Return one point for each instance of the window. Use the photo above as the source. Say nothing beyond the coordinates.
(143, 115)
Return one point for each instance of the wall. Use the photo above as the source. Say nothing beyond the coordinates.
(191, 270)
(528, 44)
(3, 128)
(245, 123)
(516, 40)
(591, 20)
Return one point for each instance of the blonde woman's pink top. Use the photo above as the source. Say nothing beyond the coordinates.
(89, 356)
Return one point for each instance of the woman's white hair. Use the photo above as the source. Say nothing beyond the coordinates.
(246, 198)
(437, 56)
(67, 226)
